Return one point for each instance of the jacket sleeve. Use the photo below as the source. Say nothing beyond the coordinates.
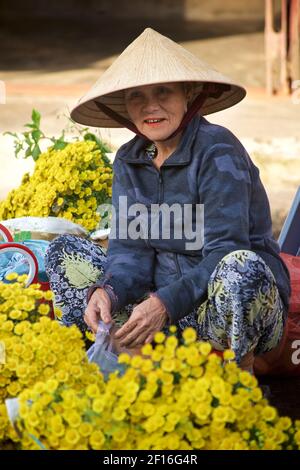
(128, 272)
(225, 190)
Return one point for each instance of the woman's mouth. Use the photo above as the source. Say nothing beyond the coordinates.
(154, 122)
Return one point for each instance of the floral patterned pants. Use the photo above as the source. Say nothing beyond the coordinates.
(243, 307)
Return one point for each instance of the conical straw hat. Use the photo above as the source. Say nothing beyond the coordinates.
(153, 58)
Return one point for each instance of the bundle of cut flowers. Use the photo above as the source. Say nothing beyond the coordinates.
(35, 348)
(177, 395)
(70, 182)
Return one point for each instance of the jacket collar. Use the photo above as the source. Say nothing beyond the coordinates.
(133, 151)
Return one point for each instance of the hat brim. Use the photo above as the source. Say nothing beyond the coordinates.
(87, 112)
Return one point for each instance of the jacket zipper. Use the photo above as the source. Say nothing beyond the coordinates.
(160, 199)
(160, 188)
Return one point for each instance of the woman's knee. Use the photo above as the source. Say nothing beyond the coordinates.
(245, 286)
(60, 242)
(240, 256)
(242, 268)
(58, 246)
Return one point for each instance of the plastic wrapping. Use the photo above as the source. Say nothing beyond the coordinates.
(103, 352)
(13, 261)
(44, 228)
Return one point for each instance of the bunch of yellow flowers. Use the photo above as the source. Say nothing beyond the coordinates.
(69, 183)
(35, 348)
(175, 396)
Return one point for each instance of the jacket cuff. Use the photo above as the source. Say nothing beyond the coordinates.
(110, 292)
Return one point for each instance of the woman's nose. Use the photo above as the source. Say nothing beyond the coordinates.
(150, 104)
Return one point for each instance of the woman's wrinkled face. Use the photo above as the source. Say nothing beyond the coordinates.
(156, 110)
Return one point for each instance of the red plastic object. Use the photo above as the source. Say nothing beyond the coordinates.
(33, 265)
(284, 360)
(6, 234)
(293, 264)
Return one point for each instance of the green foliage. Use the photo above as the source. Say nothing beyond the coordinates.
(28, 144)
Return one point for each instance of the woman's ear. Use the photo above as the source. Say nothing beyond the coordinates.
(189, 91)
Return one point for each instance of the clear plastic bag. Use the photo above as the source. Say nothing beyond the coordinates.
(12, 260)
(103, 352)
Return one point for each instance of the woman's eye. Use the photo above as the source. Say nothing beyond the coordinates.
(163, 90)
(134, 95)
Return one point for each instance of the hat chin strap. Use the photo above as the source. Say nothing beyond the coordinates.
(209, 89)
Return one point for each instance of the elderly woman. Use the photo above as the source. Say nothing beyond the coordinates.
(229, 283)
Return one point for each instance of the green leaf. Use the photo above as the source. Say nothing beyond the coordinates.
(13, 134)
(18, 148)
(36, 135)
(59, 145)
(36, 152)
(32, 126)
(36, 117)
(28, 138)
(28, 152)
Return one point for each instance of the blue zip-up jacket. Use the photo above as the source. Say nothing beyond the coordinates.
(211, 167)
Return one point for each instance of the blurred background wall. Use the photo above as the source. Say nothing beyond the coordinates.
(163, 9)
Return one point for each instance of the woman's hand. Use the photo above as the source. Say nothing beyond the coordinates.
(147, 318)
(98, 308)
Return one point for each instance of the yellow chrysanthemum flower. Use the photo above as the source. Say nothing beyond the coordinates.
(97, 440)
(269, 413)
(11, 276)
(159, 337)
(205, 348)
(189, 335)
(228, 355)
